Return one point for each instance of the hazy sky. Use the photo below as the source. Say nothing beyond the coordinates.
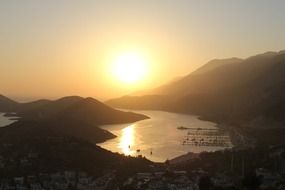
(55, 48)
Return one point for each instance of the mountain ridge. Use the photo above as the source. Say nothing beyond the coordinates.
(242, 91)
(47, 109)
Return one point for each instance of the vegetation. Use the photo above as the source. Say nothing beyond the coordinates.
(50, 154)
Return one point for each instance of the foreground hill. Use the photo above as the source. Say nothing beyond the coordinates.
(245, 92)
(21, 130)
(30, 148)
(60, 135)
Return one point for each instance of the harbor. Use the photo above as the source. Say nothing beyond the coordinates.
(205, 137)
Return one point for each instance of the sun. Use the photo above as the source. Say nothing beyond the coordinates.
(129, 67)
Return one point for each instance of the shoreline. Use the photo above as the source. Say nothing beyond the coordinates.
(217, 126)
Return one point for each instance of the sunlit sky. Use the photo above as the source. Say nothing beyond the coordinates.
(56, 48)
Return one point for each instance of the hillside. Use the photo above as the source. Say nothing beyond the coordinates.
(21, 130)
(60, 135)
(7, 105)
(57, 146)
(71, 116)
(231, 90)
(86, 110)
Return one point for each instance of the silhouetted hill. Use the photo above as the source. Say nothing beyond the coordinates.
(60, 145)
(7, 105)
(217, 75)
(157, 102)
(233, 90)
(71, 116)
(216, 63)
(32, 105)
(63, 136)
(23, 129)
(86, 110)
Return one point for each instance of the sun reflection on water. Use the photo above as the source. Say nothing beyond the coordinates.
(127, 140)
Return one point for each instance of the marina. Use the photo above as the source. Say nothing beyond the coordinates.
(206, 137)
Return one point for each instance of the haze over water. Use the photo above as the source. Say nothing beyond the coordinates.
(158, 135)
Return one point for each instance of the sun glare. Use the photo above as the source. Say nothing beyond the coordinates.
(129, 68)
(127, 140)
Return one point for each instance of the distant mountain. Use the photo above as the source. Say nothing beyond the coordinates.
(216, 63)
(157, 102)
(7, 105)
(86, 110)
(32, 105)
(233, 90)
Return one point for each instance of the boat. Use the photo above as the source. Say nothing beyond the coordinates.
(182, 128)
